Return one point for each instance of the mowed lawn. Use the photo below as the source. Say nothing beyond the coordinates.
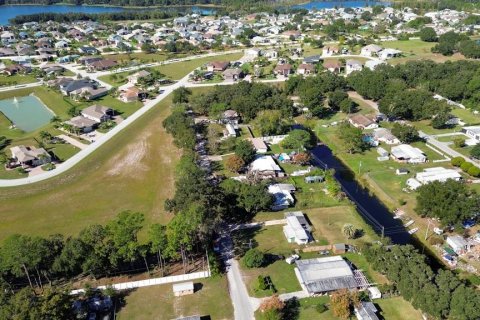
(159, 303)
(416, 49)
(133, 171)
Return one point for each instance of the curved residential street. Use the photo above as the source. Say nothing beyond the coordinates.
(71, 162)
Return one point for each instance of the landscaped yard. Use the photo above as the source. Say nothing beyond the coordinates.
(158, 302)
(133, 171)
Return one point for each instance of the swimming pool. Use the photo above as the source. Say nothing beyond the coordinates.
(26, 113)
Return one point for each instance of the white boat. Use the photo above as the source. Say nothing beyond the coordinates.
(413, 231)
(409, 223)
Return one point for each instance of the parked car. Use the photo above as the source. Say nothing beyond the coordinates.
(292, 258)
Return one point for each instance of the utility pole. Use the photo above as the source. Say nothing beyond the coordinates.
(383, 232)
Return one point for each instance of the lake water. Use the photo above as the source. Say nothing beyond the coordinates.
(9, 12)
(27, 113)
(339, 4)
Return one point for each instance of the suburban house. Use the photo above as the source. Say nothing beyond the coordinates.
(333, 66)
(329, 51)
(312, 59)
(29, 156)
(373, 64)
(230, 116)
(472, 132)
(366, 310)
(259, 145)
(97, 113)
(217, 66)
(384, 135)
(283, 69)
(89, 93)
(133, 79)
(233, 74)
(371, 50)
(433, 174)
(265, 166)
(458, 244)
(183, 288)
(282, 193)
(82, 124)
(306, 69)
(101, 65)
(363, 122)
(132, 94)
(323, 275)
(353, 65)
(68, 85)
(389, 53)
(297, 230)
(407, 153)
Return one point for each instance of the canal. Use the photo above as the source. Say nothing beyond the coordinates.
(371, 208)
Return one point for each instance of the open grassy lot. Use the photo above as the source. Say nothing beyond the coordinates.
(174, 71)
(133, 171)
(16, 79)
(416, 49)
(397, 309)
(466, 115)
(178, 70)
(159, 303)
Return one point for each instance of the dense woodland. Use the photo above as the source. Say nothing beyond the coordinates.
(439, 293)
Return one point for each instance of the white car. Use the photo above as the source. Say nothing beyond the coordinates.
(292, 258)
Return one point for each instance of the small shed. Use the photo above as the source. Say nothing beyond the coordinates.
(374, 293)
(183, 289)
(382, 152)
(402, 171)
(339, 248)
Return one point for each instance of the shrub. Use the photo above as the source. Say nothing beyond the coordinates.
(465, 166)
(320, 308)
(459, 142)
(457, 161)
(253, 258)
(262, 285)
(474, 171)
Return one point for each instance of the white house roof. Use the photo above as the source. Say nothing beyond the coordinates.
(326, 274)
(437, 174)
(296, 227)
(264, 163)
(456, 242)
(405, 151)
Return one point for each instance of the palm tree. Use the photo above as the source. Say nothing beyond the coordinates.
(45, 136)
(349, 231)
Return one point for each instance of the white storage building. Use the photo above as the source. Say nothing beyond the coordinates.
(407, 153)
(297, 228)
(437, 174)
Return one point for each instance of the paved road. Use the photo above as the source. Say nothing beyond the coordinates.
(21, 86)
(443, 146)
(242, 303)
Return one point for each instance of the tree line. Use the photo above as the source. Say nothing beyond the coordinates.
(109, 16)
(406, 90)
(440, 294)
(119, 3)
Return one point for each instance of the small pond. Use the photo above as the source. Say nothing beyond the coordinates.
(26, 113)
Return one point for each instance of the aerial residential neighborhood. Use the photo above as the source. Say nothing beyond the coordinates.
(240, 160)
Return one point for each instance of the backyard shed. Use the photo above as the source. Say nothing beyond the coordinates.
(339, 248)
(374, 293)
(183, 288)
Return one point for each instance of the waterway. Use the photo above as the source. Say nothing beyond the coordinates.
(340, 4)
(372, 209)
(11, 11)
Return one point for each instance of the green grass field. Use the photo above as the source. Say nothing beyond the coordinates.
(158, 302)
(174, 71)
(416, 49)
(16, 79)
(133, 171)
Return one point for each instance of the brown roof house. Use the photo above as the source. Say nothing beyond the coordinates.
(132, 94)
(133, 79)
(82, 124)
(97, 113)
(333, 66)
(362, 122)
(30, 156)
(217, 66)
(233, 74)
(283, 69)
(306, 69)
(103, 64)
